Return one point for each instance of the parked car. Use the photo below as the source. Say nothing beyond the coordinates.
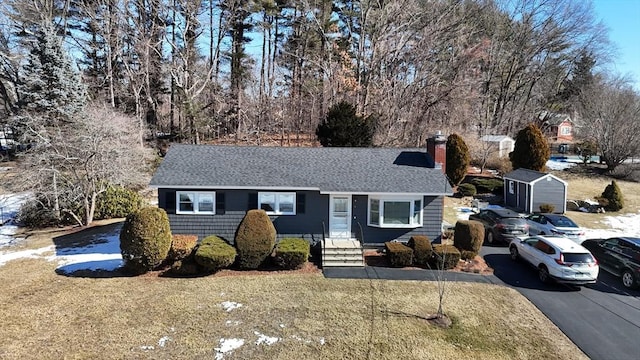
(619, 256)
(556, 258)
(501, 224)
(555, 224)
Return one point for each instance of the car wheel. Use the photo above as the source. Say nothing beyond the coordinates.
(514, 253)
(628, 280)
(490, 238)
(543, 274)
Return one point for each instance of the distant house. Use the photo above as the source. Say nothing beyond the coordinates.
(499, 145)
(371, 195)
(557, 127)
(525, 190)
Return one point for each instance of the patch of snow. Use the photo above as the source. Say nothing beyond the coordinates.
(228, 306)
(163, 341)
(227, 345)
(282, 326)
(147, 347)
(264, 339)
(9, 206)
(296, 337)
(321, 341)
(235, 323)
(103, 253)
(33, 254)
(559, 165)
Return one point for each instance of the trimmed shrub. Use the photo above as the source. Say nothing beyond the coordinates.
(488, 185)
(445, 257)
(547, 208)
(214, 254)
(467, 255)
(399, 255)
(182, 246)
(292, 253)
(255, 239)
(467, 189)
(145, 239)
(422, 250)
(117, 202)
(469, 235)
(613, 195)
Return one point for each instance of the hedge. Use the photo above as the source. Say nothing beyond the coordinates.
(214, 254)
(182, 246)
(445, 257)
(399, 255)
(422, 249)
(292, 253)
(469, 236)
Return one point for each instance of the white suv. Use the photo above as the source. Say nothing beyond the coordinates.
(556, 258)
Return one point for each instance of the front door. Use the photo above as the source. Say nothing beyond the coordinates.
(340, 216)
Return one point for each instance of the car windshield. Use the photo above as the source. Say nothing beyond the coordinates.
(562, 221)
(513, 221)
(578, 258)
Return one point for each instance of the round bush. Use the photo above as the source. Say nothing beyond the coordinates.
(469, 235)
(182, 246)
(613, 196)
(467, 189)
(255, 239)
(145, 239)
(214, 254)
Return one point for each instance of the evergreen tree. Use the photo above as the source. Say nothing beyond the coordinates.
(458, 158)
(531, 150)
(613, 197)
(343, 128)
(50, 89)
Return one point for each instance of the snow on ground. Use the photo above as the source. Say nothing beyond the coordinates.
(562, 164)
(264, 339)
(227, 345)
(6, 256)
(228, 306)
(101, 253)
(9, 207)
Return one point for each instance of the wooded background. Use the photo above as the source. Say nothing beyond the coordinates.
(196, 70)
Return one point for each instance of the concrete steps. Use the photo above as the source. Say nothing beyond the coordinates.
(342, 252)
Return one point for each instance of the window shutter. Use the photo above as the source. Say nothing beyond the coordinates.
(219, 203)
(170, 202)
(300, 203)
(253, 201)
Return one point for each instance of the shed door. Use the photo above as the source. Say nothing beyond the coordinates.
(340, 216)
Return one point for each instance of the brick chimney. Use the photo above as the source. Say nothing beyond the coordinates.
(437, 148)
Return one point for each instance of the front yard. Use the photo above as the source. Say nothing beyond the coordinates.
(45, 315)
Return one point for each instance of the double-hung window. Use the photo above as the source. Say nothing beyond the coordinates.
(277, 203)
(395, 212)
(194, 202)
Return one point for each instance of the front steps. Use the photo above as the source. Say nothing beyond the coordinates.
(342, 252)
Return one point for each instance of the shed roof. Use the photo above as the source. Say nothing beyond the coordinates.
(496, 138)
(349, 170)
(529, 176)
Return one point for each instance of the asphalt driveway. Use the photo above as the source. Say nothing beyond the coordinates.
(602, 319)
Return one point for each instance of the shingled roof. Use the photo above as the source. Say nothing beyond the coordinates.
(348, 170)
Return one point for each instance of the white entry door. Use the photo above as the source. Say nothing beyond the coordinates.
(340, 216)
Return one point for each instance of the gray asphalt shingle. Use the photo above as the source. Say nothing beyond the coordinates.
(525, 175)
(352, 170)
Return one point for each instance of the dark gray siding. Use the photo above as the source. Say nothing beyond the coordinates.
(549, 191)
(431, 221)
(236, 202)
(511, 200)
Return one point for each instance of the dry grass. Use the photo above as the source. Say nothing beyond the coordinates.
(45, 315)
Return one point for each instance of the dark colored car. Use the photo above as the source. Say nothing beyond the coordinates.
(501, 224)
(619, 256)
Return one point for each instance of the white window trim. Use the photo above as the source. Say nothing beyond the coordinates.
(382, 199)
(196, 202)
(565, 130)
(277, 202)
(511, 187)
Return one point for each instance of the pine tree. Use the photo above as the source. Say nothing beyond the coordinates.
(613, 196)
(50, 89)
(458, 158)
(343, 128)
(531, 150)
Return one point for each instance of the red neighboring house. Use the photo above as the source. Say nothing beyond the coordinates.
(557, 127)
